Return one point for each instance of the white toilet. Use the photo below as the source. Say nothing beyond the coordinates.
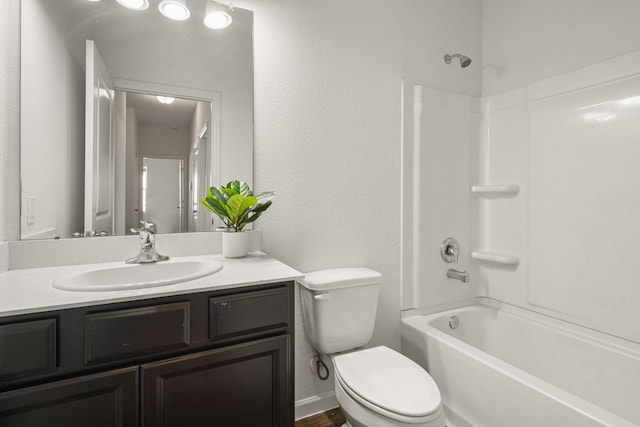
(376, 387)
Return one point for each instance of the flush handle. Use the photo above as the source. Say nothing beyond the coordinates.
(450, 250)
(321, 297)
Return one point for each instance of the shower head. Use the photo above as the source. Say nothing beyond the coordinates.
(465, 61)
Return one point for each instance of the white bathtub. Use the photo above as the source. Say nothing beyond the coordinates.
(508, 367)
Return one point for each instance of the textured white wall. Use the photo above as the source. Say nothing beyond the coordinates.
(328, 79)
(10, 120)
(525, 40)
(52, 125)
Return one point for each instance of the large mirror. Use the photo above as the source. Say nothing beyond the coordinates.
(159, 157)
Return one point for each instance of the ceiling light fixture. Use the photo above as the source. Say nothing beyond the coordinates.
(217, 16)
(174, 9)
(165, 99)
(134, 4)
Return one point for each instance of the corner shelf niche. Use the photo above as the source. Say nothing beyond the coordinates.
(496, 190)
(496, 257)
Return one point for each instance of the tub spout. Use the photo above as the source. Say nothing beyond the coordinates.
(463, 276)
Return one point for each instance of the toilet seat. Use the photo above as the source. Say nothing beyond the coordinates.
(389, 383)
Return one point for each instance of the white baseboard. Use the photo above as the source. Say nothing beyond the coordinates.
(315, 405)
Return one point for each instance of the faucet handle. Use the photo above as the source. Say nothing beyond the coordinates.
(450, 250)
(148, 226)
(147, 237)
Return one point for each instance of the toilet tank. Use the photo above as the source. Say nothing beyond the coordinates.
(339, 307)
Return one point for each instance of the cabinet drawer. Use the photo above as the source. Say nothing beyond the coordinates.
(249, 314)
(27, 348)
(120, 334)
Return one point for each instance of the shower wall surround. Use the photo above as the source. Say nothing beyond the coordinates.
(571, 141)
(566, 235)
(439, 148)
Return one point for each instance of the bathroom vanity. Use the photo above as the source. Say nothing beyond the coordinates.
(213, 351)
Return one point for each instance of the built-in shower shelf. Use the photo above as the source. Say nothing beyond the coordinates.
(496, 257)
(503, 189)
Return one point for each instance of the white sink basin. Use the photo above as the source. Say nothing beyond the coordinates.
(134, 276)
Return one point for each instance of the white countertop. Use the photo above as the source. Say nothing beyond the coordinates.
(30, 290)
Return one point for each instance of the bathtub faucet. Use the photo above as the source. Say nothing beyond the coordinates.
(463, 276)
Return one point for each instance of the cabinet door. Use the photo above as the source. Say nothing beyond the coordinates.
(107, 399)
(245, 385)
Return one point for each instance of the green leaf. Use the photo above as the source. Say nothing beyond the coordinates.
(228, 191)
(234, 185)
(261, 207)
(214, 206)
(239, 204)
(214, 193)
(265, 197)
(244, 189)
(253, 217)
(235, 205)
(237, 187)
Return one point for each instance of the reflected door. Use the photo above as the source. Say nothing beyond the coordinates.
(99, 180)
(197, 179)
(161, 198)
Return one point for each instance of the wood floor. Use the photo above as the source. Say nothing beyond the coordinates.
(332, 418)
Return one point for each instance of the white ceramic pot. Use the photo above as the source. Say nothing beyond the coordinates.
(235, 244)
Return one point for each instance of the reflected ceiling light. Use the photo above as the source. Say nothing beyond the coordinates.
(134, 4)
(598, 117)
(217, 16)
(165, 99)
(633, 101)
(174, 9)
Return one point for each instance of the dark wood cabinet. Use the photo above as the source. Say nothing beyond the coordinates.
(108, 399)
(27, 348)
(244, 385)
(208, 358)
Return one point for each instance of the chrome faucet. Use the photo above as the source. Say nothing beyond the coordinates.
(463, 276)
(148, 252)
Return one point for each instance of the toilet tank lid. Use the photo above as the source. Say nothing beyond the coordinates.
(337, 278)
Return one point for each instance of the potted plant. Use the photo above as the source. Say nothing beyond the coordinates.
(236, 206)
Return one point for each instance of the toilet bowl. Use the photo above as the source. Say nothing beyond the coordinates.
(376, 387)
(379, 387)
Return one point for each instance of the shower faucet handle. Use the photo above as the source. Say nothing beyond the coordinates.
(450, 250)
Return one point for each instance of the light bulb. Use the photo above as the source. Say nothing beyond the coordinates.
(174, 9)
(134, 4)
(165, 99)
(217, 17)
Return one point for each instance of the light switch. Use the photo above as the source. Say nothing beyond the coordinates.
(30, 206)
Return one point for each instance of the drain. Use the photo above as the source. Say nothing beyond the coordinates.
(454, 322)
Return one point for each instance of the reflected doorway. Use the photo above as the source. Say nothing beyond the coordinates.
(161, 194)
